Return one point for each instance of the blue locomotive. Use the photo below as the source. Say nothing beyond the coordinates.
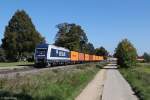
(49, 55)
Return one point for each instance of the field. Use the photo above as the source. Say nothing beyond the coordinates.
(139, 78)
(49, 85)
(12, 64)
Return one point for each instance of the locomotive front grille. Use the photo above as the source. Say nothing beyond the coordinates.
(41, 60)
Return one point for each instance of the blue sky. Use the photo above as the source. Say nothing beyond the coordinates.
(106, 22)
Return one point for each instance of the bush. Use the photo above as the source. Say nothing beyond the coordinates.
(30, 59)
(99, 66)
(146, 57)
(2, 59)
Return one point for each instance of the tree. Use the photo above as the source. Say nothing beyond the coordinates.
(126, 54)
(146, 57)
(2, 55)
(71, 36)
(101, 52)
(89, 48)
(20, 36)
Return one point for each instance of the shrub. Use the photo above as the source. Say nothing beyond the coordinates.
(146, 57)
(99, 66)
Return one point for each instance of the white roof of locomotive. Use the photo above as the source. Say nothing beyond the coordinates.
(57, 47)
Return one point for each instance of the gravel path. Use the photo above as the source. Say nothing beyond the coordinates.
(108, 84)
(116, 87)
(94, 89)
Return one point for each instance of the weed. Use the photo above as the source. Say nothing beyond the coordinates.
(139, 79)
(49, 85)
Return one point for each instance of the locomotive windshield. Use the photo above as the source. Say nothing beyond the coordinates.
(41, 51)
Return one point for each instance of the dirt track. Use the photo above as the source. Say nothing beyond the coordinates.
(108, 84)
(94, 89)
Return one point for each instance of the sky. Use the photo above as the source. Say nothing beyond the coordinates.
(106, 22)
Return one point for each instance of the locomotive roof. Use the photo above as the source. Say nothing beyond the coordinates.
(45, 45)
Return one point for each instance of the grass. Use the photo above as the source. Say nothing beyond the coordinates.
(57, 84)
(11, 64)
(139, 78)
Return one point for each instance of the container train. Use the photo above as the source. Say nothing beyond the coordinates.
(50, 55)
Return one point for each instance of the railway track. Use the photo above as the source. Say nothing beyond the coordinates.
(10, 73)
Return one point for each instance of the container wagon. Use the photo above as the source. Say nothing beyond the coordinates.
(101, 58)
(86, 57)
(81, 57)
(91, 58)
(94, 58)
(74, 57)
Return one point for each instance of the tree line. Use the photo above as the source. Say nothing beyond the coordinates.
(73, 37)
(21, 38)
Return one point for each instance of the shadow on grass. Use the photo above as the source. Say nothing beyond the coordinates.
(51, 98)
(32, 65)
(5, 95)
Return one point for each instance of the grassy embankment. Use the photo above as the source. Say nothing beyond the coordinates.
(139, 78)
(58, 84)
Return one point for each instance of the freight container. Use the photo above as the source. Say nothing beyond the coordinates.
(98, 58)
(101, 58)
(86, 57)
(91, 57)
(81, 57)
(74, 56)
(94, 57)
